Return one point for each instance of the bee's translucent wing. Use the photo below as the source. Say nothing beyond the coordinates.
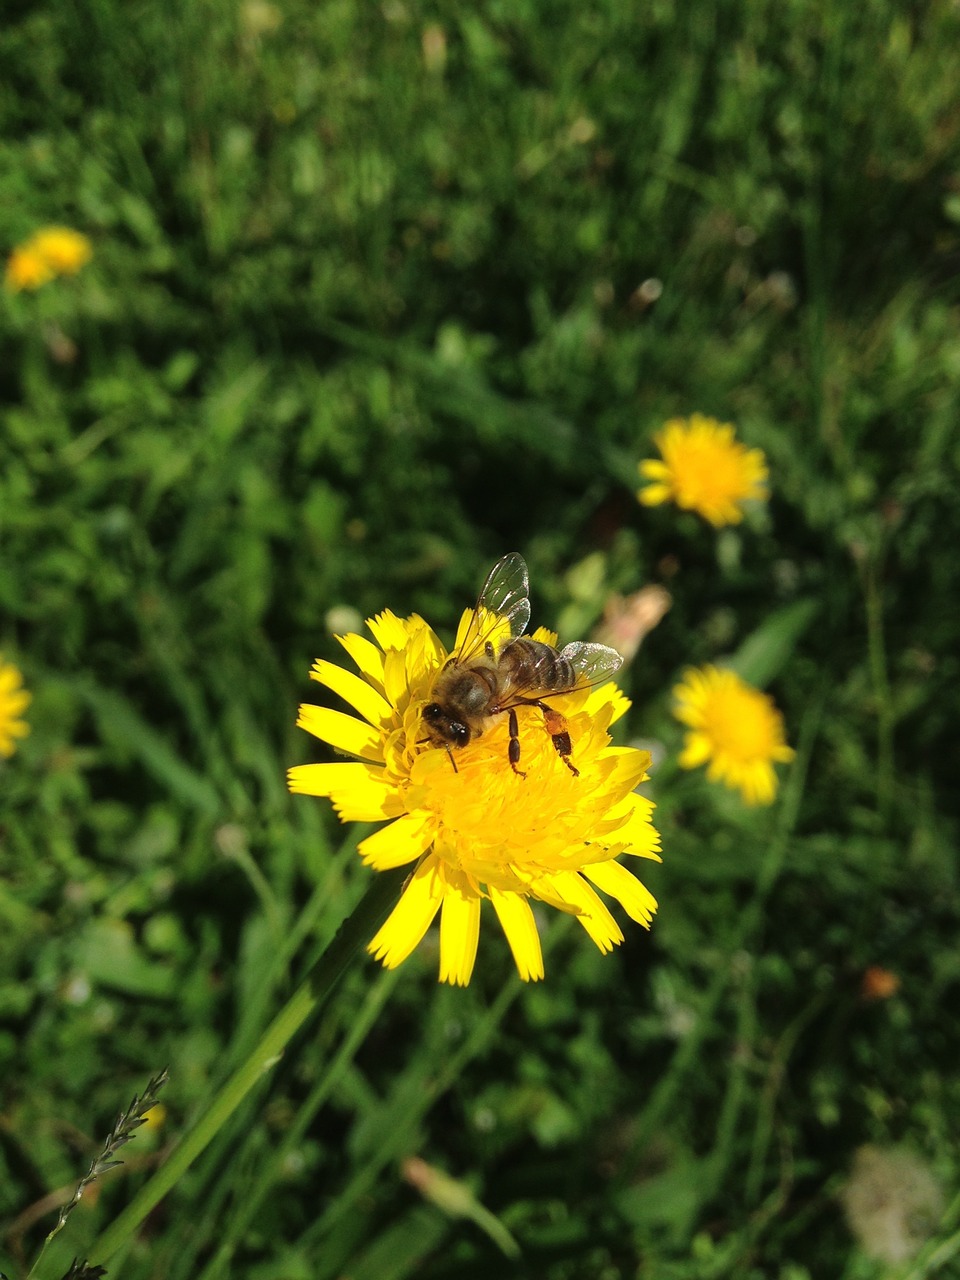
(593, 663)
(502, 600)
(505, 592)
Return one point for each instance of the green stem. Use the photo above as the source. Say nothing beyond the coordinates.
(356, 930)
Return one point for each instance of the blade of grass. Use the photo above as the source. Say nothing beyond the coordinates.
(248, 1207)
(354, 932)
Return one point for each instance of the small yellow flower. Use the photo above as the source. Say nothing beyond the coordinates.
(734, 729)
(479, 830)
(14, 700)
(50, 252)
(704, 469)
(66, 250)
(26, 269)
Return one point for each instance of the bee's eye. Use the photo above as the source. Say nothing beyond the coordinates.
(461, 734)
(432, 711)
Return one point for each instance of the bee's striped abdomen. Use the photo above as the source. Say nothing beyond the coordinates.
(534, 665)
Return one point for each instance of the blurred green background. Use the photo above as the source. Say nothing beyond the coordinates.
(380, 292)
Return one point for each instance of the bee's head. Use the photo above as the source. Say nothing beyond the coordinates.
(444, 727)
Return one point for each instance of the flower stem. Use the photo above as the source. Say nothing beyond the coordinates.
(357, 929)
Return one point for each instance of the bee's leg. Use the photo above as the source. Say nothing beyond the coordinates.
(514, 749)
(556, 726)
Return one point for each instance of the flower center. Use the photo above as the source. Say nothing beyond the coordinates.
(707, 473)
(492, 819)
(739, 723)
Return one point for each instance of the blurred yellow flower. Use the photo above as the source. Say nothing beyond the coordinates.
(66, 250)
(14, 700)
(734, 729)
(50, 252)
(26, 269)
(155, 1118)
(704, 469)
(479, 830)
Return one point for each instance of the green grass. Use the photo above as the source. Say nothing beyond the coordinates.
(353, 329)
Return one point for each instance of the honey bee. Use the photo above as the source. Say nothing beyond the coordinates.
(485, 679)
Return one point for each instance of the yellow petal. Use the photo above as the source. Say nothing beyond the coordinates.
(654, 494)
(9, 677)
(517, 922)
(389, 631)
(635, 831)
(615, 880)
(475, 623)
(545, 636)
(367, 656)
(697, 749)
(346, 733)
(591, 912)
(361, 695)
(630, 767)
(424, 652)
(459, 932)
(396, 680)
(398, 843)
(14, 703)
(758, 784)
(618, 701)
(411, 917)
(360, 792)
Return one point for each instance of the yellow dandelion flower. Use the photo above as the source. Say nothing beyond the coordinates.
(704, 469)
(26, 269)
(63, 248)
(734, 729)
(472, 825)
(51, 251)
(14, 700)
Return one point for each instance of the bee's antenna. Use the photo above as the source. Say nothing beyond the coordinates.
(452, 761)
